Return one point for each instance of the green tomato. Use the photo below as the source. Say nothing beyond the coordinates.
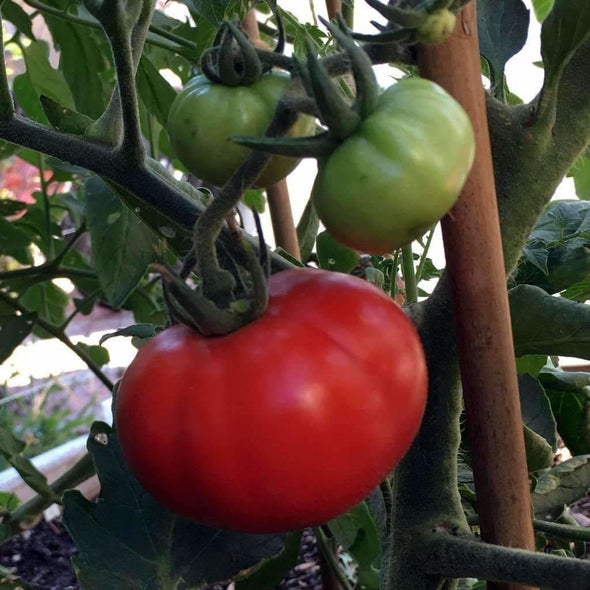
(205, 115)
(400, 172)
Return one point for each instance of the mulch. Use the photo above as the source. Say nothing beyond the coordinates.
(41, 558)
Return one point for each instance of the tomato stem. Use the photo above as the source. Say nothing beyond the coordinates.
(409, 274)
(334, 110)
(367, 89)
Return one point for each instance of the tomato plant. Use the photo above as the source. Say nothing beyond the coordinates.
(205, 115)
(255, 432)
(400, 172)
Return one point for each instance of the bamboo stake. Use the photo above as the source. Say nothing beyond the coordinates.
(277, 195)
(333, 7)
(475, 265)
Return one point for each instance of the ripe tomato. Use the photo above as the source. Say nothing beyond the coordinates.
(205, 115)
(403, 169)
(285, 423)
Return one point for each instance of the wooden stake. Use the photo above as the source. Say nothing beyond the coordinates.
(475, 264)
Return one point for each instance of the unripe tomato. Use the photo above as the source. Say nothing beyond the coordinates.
(285, 423)
(403, 169)
(205, 115)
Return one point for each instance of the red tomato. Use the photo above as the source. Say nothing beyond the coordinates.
(285, 423)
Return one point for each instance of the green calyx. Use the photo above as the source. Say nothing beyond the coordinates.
(340, 117)
(233, 60)
(407, 26)
(221, 315)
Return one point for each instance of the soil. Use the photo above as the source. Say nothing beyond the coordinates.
(41, 558)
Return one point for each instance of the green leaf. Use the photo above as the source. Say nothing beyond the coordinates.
(569, 395)
(83, 61)
(333, 255)
(8, 501)
(273, 570)
(357, 533)
(155, 92)
(122, 246)
(580, 172)
(49, 301)
(98, 354)
(64, 119)
(11, 449)
(531, 364)
(45, 80)
(8, 207)
(18, 17)
(13, 330)
(137, 331)
(12, 237)
(127, 541)
(542, 8)
(502, 29)
(211, 10)
(255, 199)
(542, 324)
(307, 230)
(561, 486)
(536, 410)
(539, 454)
(564, 29)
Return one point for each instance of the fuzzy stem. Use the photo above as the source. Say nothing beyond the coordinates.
(461, 556)
(59, 334)
(6, 105)
(409, 274)
(82, 470)
(333, 7)
(163, 194)
(216, 281)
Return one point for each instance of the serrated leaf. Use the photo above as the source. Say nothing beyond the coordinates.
(536, 410)
(561, 486)
(13, 330)
(547, 325)
(122, 246)
(126, 540)
(502, 29)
